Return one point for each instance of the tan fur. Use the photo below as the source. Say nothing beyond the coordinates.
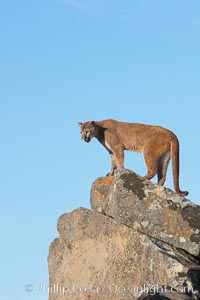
(157, 144)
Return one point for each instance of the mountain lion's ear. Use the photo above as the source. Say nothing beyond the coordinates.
(92, 123)
(79, 124)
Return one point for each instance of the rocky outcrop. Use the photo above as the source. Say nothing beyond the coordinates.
(149, 208)
(138, 242)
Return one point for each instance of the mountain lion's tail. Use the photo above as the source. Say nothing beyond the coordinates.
(175, 166)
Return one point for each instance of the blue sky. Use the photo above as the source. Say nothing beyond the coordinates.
(64, 61)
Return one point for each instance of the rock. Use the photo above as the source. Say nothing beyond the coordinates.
(140, 242)
(149, 208)
(95, 257)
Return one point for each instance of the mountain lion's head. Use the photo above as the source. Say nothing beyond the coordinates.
(87, 130)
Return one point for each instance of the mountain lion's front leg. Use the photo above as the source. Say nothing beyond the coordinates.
(116, 161)
(119, 158)
(113, 165)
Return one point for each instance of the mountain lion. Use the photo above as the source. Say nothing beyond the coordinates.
(157, 144)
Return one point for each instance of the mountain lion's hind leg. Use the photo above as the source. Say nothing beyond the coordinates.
(162, 167)
(151, 164)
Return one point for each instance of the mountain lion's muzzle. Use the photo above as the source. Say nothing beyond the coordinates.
(87, 139)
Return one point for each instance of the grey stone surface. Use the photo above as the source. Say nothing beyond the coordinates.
(140, 241)
(152, 209)
(95, 257)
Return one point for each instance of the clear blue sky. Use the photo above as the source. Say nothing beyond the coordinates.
(64, 61)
